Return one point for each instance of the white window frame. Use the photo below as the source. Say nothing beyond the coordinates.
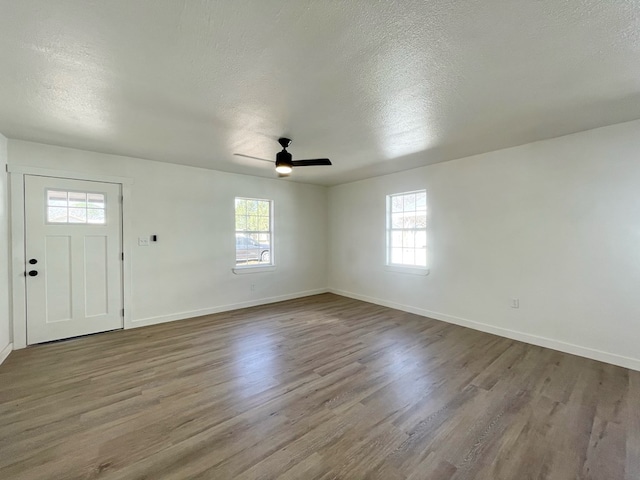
(403, 267)
(240, 268)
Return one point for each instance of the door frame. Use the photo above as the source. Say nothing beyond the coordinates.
(18, 260)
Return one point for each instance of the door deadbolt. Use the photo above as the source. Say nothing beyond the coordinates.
(33, 261)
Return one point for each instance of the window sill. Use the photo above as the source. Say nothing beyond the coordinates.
(409, 270)
(253, 269)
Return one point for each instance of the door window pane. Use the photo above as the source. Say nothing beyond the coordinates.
(57, 215)
(95, 215)
(77, 215)
(77, 200)
(56, 198)
(95, 200)
(76, 207)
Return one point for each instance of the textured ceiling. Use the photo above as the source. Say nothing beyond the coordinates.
(377, 86)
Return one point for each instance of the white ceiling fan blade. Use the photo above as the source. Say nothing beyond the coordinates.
(253, 158)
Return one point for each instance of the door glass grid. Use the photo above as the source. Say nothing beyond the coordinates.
(72, 207)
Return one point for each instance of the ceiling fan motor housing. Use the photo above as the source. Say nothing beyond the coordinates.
(283, 158)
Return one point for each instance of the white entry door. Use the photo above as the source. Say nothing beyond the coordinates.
(73, 247)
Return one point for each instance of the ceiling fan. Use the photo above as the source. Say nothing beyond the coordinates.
(284, 161)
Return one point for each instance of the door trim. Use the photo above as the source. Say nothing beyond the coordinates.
(18, 283)
(47, 172)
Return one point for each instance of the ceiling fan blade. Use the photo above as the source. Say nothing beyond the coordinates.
(253, 158)
(308, 163)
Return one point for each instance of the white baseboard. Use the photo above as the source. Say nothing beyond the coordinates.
(143, 322)
(4, 353)
(612, 358)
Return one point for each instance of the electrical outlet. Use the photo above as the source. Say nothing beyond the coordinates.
(253, 287)
(515, 303)
(143, 241)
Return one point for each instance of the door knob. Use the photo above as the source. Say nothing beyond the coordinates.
(33, 273)
(33, 261)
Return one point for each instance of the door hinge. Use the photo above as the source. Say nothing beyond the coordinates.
(122, 256)
(123, 312)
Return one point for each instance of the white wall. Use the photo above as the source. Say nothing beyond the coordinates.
(5, 325)
(554, 223)
(189, 270)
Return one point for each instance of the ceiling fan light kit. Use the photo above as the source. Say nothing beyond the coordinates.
(284, 163)
(284, 169)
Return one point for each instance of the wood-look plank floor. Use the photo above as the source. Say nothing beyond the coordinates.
(318, 388)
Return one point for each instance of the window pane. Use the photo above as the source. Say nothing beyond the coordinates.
(252, 223)
(408, 256)
(421, 239)
(57, 214)
(95, 200)
(421, 201)
(396, 239)
(56, 199)
(421, 220)
(396, 203)
(241, 222)
(95, 215)
(263, 208)
(408, 239)
(396, 255)
(409, 202)
(396, 220)
(409, 220)
(252, 207)
(77, 215)
(421, 257)
(263, 224)
(78, 199)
